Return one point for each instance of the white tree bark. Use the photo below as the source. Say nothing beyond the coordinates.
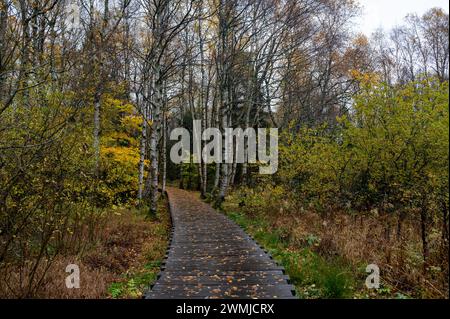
(154, 138)
(96, 143)
(224, 96)
(142, 151)
(203, 102)
(164, 146)
(158, 100)
(224, 166)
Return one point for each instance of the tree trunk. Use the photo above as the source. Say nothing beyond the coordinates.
(158, 87)
(233, 174)
(25, 53)
(99, 89)
(425, 248)
(225, 166)
(142, 154)
(164, 153)
(3, 26)
(154, 138)
(96, 143)
(203, 104)
(224, 97)
(216, 119)
(444, 223)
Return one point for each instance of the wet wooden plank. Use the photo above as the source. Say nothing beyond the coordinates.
(194, 249)
(226, 273)
(212, 257)
(217, 253)
(216, 250)
(211, 261)
(230, 278)
(182, 295)
(220, 290)
(222, 267)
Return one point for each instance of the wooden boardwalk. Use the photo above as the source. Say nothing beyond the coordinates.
(209, 256)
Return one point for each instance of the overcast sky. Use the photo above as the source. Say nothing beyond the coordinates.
(388, 13)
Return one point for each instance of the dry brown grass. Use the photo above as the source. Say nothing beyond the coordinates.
(363, 240)
(124, 242)
(356, 240)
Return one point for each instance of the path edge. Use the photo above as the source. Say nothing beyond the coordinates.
(288, 280)
(169, 244)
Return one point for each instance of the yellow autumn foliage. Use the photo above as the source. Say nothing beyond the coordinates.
(121, 126)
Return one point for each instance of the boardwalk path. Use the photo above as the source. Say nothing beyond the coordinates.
(211, 257)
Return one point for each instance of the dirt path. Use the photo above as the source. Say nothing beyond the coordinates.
(210, 256)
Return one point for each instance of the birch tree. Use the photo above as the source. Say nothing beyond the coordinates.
(165, 20)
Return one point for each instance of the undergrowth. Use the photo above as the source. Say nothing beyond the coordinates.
(134, 282)
(313, 275)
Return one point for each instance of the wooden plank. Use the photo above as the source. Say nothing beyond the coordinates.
(207, 273)
(225, 291)
(237, 278)
(213, 260)
(216, 253)
(171, 295)
(216, 246)
(212, 239)
(184, 251)
(222, 267)
(212, 257)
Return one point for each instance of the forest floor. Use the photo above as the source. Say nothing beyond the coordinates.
(314, 274)
(129, 247)
(123, 262)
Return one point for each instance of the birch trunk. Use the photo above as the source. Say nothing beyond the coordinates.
(154, 138)
(245, 164)
(164, 146)
(203, 104)
(24, 74)
(223, 93)
(157, 103)
(142, 154)
(99, 89)
(96, 143)
(216, 109)
(233, 174)
(251, 83)
(164, 156)
(3, 26)
(224, 179)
